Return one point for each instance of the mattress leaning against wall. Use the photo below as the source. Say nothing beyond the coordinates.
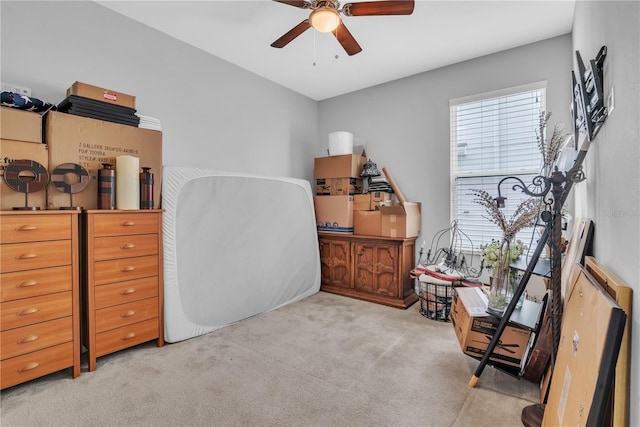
(234, 246)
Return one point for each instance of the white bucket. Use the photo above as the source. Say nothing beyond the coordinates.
(340, 142)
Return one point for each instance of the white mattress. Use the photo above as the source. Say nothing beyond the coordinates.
(234, 246)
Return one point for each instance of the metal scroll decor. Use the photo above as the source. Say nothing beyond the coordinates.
(26, 176)
(70, 178)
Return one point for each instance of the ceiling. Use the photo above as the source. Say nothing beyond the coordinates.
(438, 33)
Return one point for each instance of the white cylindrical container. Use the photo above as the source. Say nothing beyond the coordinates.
(127, 183)
(340, 142)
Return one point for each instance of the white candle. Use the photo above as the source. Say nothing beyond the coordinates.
(127, 183)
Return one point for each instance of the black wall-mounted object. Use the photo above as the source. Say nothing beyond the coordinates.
(589, 109)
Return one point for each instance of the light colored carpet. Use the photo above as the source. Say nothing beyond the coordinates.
(324, 361)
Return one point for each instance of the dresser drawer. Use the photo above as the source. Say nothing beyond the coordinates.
(25, 256)
(123, 292)
(36, 364)
(125, 314)
(31, 228)
(18, 313)
(30, 283)
(36, 337)
(125, 223)
(126, 336)
(125, 246)
(125, 269)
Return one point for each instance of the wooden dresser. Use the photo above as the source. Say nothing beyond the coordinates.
(123, 280)
(371, 268)
(40, 303)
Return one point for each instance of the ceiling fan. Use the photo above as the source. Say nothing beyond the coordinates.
(325, 17)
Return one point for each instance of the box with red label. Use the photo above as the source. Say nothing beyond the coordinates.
(101, 94)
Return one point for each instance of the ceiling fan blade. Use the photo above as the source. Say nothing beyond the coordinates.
(292, 34)
(347, 41)
(296, 3)
(370, 8)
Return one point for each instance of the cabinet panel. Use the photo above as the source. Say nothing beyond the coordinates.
(30, 283)
(125, 269)
(124, 314)
(122, 292)
(335, 260)
(33, 310)
(36, 337)
(25, 256)
(118, 224)
(36, 364)
(126, 336)
(32, 228)
(125, 246)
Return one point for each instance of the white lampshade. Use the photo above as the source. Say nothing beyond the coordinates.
(324, 19)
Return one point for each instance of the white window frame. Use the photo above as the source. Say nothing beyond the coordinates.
(488, 231)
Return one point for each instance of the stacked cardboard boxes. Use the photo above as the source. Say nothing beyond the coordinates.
(21, 139)
(343, 205)
(337, 182)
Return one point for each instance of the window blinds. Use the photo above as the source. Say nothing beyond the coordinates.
(493, 135)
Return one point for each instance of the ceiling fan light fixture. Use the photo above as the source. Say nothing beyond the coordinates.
(324, 19)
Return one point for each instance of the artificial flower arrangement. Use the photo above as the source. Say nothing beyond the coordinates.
(490, 252)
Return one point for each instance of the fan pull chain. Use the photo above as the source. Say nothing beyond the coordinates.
(314, 48)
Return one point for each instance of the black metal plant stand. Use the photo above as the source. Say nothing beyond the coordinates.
(559, 184)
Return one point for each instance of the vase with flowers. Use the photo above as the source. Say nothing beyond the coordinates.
(494, 256)
(500, 254)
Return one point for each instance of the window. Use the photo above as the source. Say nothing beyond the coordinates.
(493, 135)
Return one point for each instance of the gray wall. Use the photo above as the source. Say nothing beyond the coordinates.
(611, 194)
(214, 114)
(405, 123)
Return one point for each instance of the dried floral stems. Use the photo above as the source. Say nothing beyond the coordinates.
(525, 215)
(549, 150)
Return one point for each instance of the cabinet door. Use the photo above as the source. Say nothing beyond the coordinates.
(335, 260)
(376, 268)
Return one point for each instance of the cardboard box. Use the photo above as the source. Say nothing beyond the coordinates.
(89, 143)
(334, 213)
(379, 198)
(475, 328)
(20, 125)
(21, 150)
(367, 223)
(338, 186)
(346, 165)
(361, 202)
(401, 220)
(102, 94)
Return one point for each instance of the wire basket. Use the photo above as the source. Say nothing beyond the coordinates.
(435, 300)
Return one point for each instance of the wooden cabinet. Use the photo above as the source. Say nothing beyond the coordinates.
(371, 268)
(39, 303)
(123, 271)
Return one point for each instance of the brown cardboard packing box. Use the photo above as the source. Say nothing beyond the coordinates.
(89, 143)
(379, 198)
(475, 328)
(334, 213)
(338, 186)
(361, 202)
(20, 125)
(401, 220)
(101, 94)
(343, 166)
(367, 223)
(19, 150)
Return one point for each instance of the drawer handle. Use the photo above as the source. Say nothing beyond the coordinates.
(127, 291)
(128, 268)
(28, 339)
(128, 313)
(27, 228)
(128, 224)
(28, 311)
(27, 284)
(128, 336)
(27, 256)
(128, 246)
(29, 366)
